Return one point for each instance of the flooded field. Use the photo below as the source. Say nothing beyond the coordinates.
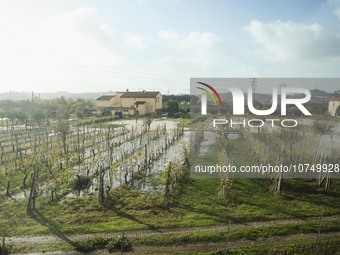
(107, 156)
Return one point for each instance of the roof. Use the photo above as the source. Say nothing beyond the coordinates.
(105, 98)
(335, 99)
(140, 94)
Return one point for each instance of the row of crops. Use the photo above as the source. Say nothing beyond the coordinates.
(93, 158)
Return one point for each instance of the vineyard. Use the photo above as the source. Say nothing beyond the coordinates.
(67, 157)
(84, 182)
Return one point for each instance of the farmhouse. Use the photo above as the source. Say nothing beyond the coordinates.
(333, 105)
(130, 103)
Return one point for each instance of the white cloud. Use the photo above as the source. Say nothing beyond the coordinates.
(80, 50)
(81, 34)
(290, 41)
(60, 51)
(193, 54)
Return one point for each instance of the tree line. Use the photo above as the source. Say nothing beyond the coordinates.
(38, 111)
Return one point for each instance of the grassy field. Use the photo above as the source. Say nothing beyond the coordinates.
(198, 206)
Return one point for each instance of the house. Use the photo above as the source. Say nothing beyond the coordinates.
(130, 103)
(333, 105)
(104, 104)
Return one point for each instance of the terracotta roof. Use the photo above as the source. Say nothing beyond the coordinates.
(105, 98)
(335, 99)
(140, 94)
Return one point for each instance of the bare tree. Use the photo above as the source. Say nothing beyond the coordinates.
(62, 126)
(323, 126)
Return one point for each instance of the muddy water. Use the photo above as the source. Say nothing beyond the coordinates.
(132, 163)
(90, 167)
(329, 143)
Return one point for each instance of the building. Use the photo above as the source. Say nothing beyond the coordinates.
(333, 105)
(130, 103)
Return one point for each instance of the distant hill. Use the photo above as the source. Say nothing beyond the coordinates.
(320, 95)
(317, 96)
(336, 93)
(318, 92)
(28, 95)
(263, 98)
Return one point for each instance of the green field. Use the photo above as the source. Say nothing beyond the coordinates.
(199, 205)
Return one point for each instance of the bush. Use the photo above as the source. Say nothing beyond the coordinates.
(323, 126)
(97, 243)
(116, 244)
(183, 115)
(82, 183)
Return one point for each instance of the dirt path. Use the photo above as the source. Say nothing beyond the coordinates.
(206, 247)
(195, 248)
(140, 233)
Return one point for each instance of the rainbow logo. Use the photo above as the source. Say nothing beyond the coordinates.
(209, 93)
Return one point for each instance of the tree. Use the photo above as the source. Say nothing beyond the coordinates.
(323, 126)
(62, 126)
(173, 107)
(82, 108)
(38, 115)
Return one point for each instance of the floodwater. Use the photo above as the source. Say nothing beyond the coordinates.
(330, 142)
(172, 153)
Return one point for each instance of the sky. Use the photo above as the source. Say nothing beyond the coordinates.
(104, 45)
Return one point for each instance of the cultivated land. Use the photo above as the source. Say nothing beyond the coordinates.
(193, 217)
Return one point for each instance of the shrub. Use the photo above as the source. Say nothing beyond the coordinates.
(116, 244)
(82, 183)
(92, 244)
(323, 126)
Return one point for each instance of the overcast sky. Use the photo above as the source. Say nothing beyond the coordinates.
(101, 45)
